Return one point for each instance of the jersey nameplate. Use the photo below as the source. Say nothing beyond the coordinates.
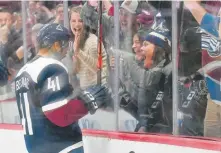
(22, 83)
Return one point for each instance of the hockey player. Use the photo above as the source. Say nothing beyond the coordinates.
(48, 105)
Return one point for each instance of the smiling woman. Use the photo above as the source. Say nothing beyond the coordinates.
(153, 92)
(85, 51)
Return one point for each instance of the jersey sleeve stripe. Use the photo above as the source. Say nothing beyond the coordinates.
(72, 147)
(54, 105)
(211, 66)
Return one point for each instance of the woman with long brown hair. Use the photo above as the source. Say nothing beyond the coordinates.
(85, 51)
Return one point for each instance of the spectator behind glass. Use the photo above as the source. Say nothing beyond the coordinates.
(38, 13)
(127, 15)
(32, 47)
(126, 19)
(35, 30)
(17, 25)
(31, 12)
(59, 14)
(127, 23)
(137, 43)
(139, 54)
(142, 80)
(9, 36)
(156, 48)
(210, 27)
(85, 51)
(6, 17)
(15, 62)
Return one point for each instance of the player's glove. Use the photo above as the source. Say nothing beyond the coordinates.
(95, 97)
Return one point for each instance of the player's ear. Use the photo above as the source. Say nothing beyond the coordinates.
(56, 46)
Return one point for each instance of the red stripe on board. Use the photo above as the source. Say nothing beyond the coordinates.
(11, 126)
(208, 144)
(8, 100)
(193, 142)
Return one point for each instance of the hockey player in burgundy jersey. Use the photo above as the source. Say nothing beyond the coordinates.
(48, 105)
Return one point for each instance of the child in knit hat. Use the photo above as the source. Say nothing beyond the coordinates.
(156, 47)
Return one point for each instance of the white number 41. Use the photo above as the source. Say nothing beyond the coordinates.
(54, 84)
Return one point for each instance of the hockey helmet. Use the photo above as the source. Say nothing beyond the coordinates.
(51, 33)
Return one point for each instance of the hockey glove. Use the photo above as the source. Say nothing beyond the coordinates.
(95, 97)
(127, 102)
(124, 96)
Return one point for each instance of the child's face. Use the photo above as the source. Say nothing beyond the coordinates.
(148, 49)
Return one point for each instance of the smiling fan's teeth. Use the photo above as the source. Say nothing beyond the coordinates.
(76, 29)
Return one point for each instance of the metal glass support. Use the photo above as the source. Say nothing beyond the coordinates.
(116, 54)
(66, 19)
(174, 68)
(24, 30)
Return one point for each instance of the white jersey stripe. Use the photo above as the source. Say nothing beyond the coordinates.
(55, 105)
(28, 116)
(22, 116)
(72, 147)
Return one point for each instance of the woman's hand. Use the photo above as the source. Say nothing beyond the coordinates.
(76, 44)
(4, 34)
(57, 19)
(93, 3)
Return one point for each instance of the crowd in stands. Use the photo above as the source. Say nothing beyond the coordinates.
(145, 64)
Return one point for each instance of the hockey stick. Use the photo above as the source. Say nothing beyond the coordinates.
(99, 44)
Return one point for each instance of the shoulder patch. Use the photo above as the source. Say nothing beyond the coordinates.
(59, 28)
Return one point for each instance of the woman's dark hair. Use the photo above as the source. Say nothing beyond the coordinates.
(168, 52)
(159, 55)
(86, 31)
(58, 6)
(162, 53)
(139, 35)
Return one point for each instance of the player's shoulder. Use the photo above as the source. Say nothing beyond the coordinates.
(41, 65)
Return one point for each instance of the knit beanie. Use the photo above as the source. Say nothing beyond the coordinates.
(159, 37)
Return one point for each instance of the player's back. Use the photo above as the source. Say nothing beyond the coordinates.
(42, 84)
